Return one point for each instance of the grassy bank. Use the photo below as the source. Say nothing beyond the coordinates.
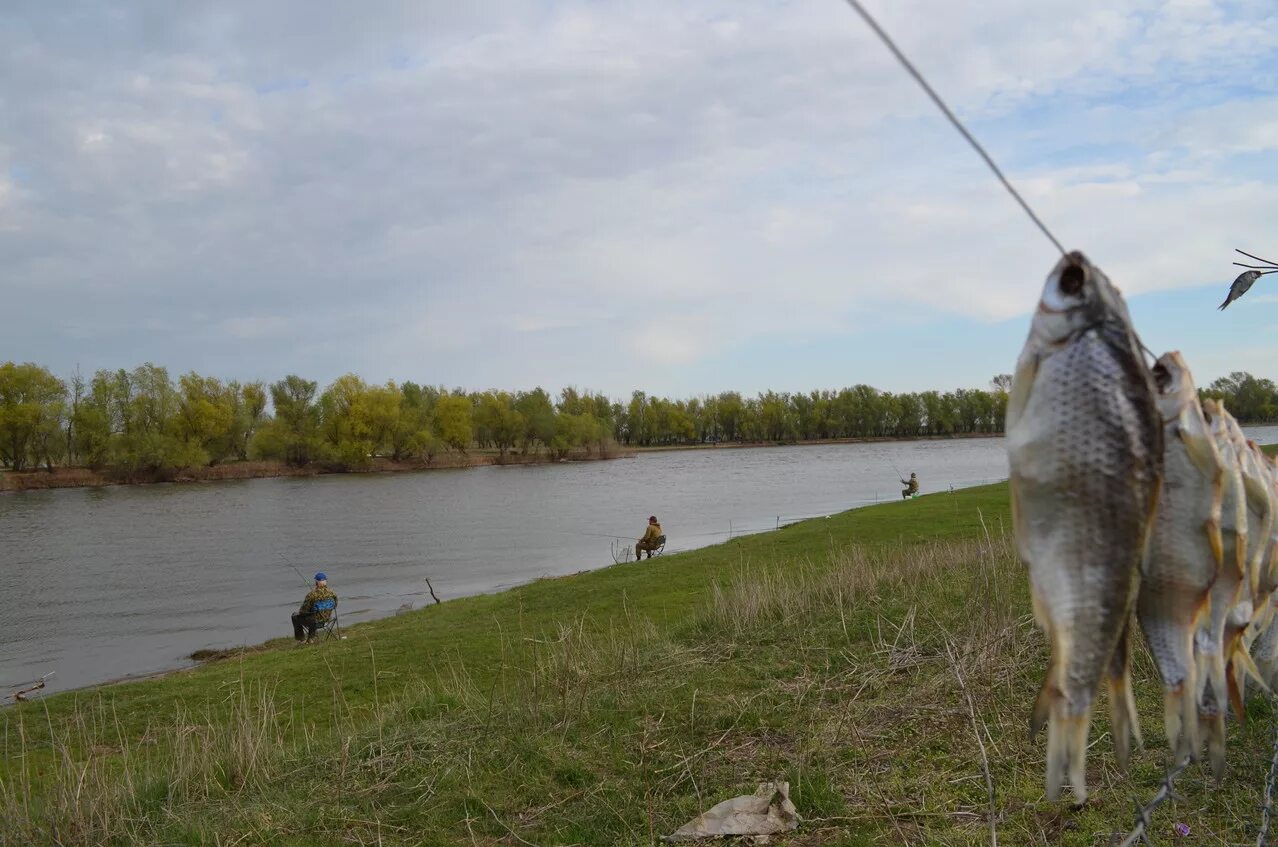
(40, 480)
(611, 706)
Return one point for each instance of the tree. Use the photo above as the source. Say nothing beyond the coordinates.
(496, 420)
(453, 421)
(293, 435)
(540, 420)
(1002, 382)
(31, 407)
(146, 407)
(206, 417)
(250, 414)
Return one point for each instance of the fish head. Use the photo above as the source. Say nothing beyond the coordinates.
(1175, 384)
(1077, 295)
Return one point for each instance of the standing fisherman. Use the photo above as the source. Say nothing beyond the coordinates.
(911, 487)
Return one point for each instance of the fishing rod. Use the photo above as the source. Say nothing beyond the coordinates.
(299, 575)
(598, 534)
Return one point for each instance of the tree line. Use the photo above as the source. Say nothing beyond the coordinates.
(143, 422)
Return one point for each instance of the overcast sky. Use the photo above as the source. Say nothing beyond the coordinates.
(683, 197)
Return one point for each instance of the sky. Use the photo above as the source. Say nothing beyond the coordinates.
(678, 197)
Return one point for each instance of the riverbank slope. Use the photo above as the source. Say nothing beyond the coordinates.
(611, 706)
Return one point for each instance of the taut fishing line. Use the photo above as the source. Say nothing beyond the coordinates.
(940, 104)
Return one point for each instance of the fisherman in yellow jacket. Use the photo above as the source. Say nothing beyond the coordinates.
(652, 539)
(911, 487)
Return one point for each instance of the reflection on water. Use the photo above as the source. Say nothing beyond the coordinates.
(99, 583)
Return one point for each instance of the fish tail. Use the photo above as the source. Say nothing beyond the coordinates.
(1074, 728)
(1067, 753)
(1215, 676)
(1122, 705)
(1189, 741)
(1180, 716)
(1057, 756)
(1213, 726)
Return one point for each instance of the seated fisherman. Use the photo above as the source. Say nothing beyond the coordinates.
(652, 539)
(911, 487)
(307, 619)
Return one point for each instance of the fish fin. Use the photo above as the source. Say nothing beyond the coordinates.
(1234, 686)
(1212, 527)
(1041, 716)
(1240, 550)
(1198, 443)
(1122, 707)
(1244, 665)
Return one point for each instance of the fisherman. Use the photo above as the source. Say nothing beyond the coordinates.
(307, 618)
(652, 538)
(911, 487)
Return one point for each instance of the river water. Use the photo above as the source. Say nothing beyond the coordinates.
(98, 584)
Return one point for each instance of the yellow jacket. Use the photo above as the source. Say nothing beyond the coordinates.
(652, 533)
(321, 592)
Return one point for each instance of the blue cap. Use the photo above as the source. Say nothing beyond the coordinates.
(321, 576)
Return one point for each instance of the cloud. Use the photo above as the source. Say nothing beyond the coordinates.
(504, 193)
(255, 326)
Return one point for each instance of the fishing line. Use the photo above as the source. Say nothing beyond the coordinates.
(940, 104)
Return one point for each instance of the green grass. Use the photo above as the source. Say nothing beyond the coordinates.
(609, 707)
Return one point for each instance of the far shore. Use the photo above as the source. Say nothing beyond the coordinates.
(815, 442)
(81, 477)
(78, 477)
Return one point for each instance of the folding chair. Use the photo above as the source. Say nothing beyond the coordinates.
(330, 628)
(659, 549)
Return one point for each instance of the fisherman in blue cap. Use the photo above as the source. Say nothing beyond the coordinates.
(307, 619)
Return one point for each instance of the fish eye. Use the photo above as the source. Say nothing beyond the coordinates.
(1072, 279)
(1162, 377)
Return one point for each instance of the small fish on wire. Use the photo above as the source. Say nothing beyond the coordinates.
(1245, 280)
(1185, 549)
(1240, 287)
(1227, 591)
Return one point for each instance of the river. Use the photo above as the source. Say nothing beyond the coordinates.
(98, 584)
